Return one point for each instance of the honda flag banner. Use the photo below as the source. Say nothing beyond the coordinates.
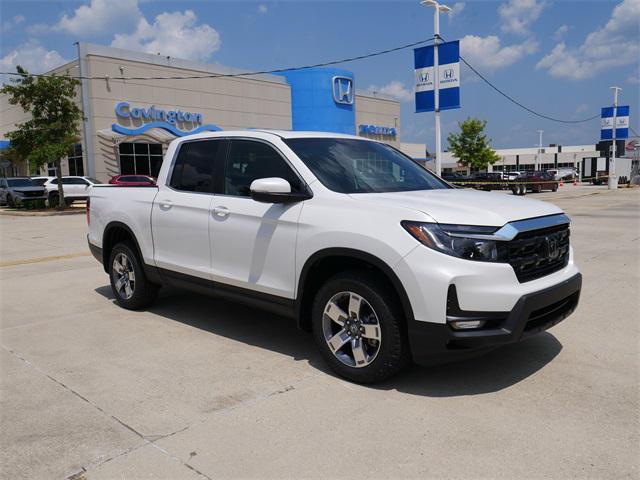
(449, 68)
(622, 123)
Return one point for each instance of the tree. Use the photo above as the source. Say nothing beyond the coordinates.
(54, 127)
(471, 146)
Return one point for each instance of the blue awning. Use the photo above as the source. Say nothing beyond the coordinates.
(4, 144)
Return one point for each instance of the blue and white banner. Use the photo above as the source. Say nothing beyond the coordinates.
(622, 123)
(449, 69)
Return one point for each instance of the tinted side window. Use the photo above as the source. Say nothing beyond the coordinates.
(73, 181)
(248, 161)
(193, 171)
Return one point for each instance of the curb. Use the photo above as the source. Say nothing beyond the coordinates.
(32, 213)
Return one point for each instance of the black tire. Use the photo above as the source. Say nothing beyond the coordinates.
(393, 347)
(10, 202)
(54, 199)
(143, 291)
(554, 188)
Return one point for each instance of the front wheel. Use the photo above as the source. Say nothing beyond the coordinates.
(359, 328)
(128, 281)
(10, 202)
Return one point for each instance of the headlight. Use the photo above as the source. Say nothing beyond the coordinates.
(452, 240)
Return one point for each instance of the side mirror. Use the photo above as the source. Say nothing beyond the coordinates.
(274, 190)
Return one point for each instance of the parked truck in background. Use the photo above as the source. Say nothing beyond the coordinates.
(383, 261)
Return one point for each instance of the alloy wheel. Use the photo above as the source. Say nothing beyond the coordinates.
(124, 276)
(351, 329)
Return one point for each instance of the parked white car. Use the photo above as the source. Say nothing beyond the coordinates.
(75, 188)
(379, 258)
(563, 173)
(511, 175)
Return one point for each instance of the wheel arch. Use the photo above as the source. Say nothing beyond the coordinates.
(114, 233)
(325, 263)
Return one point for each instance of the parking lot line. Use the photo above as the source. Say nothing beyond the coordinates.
(53, 258)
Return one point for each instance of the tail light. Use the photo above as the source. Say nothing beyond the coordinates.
(89, 211)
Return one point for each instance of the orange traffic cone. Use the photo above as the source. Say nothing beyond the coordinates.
(574, 181)
(562, 182)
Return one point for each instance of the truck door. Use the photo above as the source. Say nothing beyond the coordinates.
(180, 213)
(253, 244)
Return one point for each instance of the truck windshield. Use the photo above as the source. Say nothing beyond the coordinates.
(361, 166)
(20, 182)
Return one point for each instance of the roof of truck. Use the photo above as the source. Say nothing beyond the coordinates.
(285, 134)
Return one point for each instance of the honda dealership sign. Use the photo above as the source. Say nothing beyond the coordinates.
(622, 123)
(449, 69)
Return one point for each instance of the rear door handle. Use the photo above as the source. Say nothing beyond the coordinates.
(221, 211)
(165, 204)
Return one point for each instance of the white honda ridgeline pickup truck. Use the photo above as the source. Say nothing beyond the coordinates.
(383, 261)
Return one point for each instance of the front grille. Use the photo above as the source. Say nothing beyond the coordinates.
(538, 253)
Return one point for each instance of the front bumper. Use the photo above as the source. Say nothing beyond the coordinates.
(23, 198)
(533, 313)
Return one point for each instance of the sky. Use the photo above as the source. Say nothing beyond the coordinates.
(557, 57)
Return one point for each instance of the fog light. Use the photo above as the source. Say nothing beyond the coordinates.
(467, 324)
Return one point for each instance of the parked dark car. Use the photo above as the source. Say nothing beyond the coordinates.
(487, 180)
(18, 190)
(538, 181)
(132, 181)
(454, 177)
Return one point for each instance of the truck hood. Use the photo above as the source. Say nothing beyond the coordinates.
(464, 206)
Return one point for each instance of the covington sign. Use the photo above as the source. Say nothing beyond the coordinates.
(174, 121)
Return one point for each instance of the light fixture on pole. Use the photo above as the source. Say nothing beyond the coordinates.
(437, 8)
(612, 180)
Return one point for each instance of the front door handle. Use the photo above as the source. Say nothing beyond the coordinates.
(221, 211)
(165, 204)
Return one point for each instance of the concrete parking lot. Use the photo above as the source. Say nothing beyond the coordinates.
(199, 388)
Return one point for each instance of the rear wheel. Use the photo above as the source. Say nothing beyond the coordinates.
(359, 328)
(128, 281)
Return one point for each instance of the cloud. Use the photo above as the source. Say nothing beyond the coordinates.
(100, 17)
(394, 89)
(262, 8)
(487, 52)
(561, 32)
(614, 45)
(175, 34)
(13, 22)
(33, 57)
(456, 9)
(517, 15)
(634, 78)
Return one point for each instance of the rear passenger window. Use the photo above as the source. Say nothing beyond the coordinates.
(249, 160)
(193, 171)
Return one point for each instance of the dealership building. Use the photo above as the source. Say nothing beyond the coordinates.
(136, 103)
(128, 123)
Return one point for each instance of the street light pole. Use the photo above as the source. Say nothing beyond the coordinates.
(612, 181)
(539, 149)
(437, 8)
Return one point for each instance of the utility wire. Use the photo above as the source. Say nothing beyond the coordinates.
(324, 64)
(241, 74)
(513, 100)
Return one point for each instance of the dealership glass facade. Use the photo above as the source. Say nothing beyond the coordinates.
(140, 158)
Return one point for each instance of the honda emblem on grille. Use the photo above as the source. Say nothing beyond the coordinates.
(552, 247)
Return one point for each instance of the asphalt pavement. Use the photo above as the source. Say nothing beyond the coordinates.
(199, 388)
